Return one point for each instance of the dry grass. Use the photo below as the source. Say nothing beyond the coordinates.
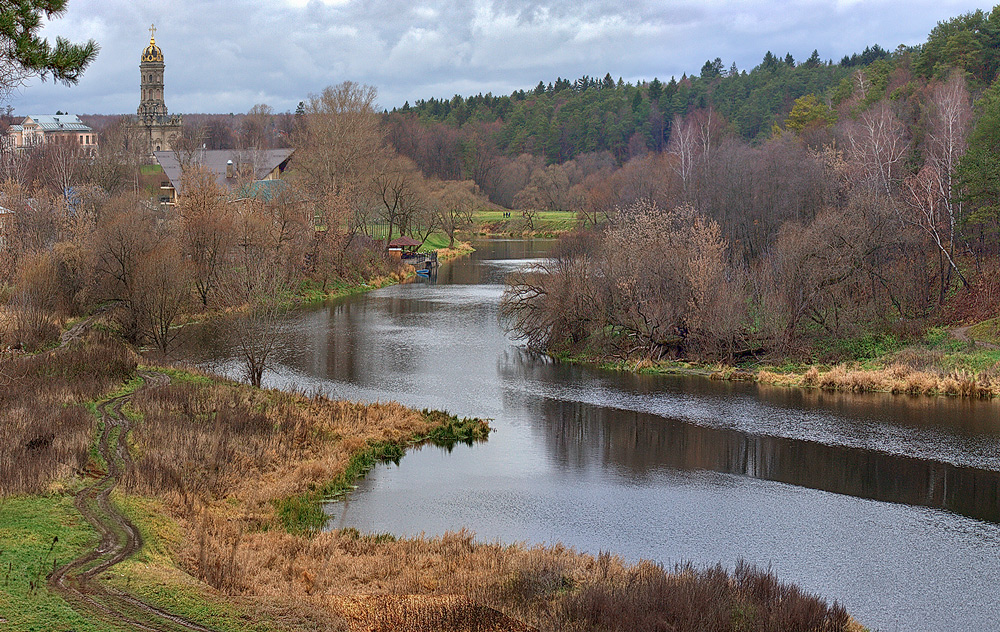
(461, 248)
(897, 378)
(201, 439)
(421, 613)
(455, 583)
(45, 432)
(220, 454)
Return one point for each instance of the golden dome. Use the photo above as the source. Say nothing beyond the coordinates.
(152, 52)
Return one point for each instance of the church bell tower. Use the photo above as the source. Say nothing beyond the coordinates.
(151, 104)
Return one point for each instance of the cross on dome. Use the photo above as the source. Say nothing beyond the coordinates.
(152, 54)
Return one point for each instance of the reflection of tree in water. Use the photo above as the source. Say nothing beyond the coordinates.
(638, 444)
(950, 415)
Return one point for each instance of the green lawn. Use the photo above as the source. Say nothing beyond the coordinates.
(150, 169)
(434, 241)
(37, 533)
(543, 221)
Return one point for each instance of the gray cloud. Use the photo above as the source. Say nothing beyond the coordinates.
(225, 56)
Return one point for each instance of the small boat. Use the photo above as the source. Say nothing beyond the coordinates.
(424, 272)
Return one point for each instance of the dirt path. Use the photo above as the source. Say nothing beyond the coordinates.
(962, 333)
(78, 581)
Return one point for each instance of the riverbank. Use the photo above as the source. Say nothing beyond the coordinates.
(310, 293)
(448, 253)
(221, 471)
(939, 364)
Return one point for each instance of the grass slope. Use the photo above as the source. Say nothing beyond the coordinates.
(38, 533)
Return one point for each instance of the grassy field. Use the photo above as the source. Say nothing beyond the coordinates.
(150, 169)
(38, 533)
(544, 223)
(987, 331)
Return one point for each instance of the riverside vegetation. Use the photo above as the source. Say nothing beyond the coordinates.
(224, 480)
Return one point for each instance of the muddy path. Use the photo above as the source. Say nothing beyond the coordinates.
(78, 581)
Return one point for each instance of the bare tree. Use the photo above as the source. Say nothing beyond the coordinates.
(453, 203)
(257, 282)
(35, 298)
(683, 145)
(62, 166)
(340, 139)
(188, 146)
(655, 282)
(396, 185)
(162, 292)
(125, 234)
(877, 143)
(932, 201)
(257, 128)
(548, 189)
(206, 228)
(514, 177)
(115, 167)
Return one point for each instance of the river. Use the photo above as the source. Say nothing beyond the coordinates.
(888, 504)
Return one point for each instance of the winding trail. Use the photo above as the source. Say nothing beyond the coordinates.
(78, 581)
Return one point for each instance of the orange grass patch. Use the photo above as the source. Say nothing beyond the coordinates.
(896, 378)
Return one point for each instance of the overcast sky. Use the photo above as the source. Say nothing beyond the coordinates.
(226, 56)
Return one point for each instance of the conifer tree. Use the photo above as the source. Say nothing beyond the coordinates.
(23, 53)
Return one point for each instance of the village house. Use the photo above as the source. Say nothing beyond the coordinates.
(38, 129)
(234, 169)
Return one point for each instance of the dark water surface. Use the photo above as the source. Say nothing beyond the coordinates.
(888, 504)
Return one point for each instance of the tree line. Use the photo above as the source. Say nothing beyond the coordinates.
(478, 137)
(868, 202)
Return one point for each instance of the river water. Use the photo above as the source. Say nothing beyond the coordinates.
(888, 504)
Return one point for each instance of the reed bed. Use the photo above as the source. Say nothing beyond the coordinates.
(456, 583)
(897, 378)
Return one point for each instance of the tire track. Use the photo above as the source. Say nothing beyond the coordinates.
(78, 580)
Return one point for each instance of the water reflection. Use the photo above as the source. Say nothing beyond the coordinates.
(950, 430)
(635, 444)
